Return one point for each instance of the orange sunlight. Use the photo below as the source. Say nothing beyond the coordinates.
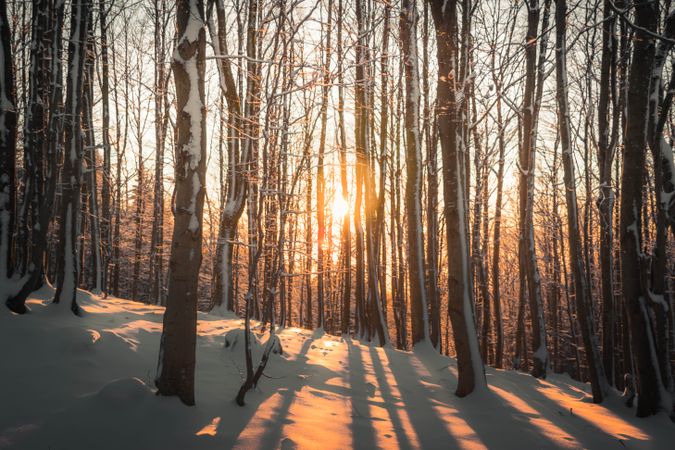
(340, 207)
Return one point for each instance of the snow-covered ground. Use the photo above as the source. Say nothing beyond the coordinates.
(86, 383)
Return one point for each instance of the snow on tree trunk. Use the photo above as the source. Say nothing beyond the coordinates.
(527, 250)
(177, 348)
(223, 293)
(471, 373)
(71, 173)
(582, 293)
(651, 395)
(413, 192)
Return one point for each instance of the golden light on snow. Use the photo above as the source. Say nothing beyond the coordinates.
(597, 416)
(552, 432)
(210, 429)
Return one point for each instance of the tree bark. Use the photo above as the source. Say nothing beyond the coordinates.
(177, 346)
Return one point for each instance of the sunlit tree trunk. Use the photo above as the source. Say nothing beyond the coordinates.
(471, 374)
(413, 191)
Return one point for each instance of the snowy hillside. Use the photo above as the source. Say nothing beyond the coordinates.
(86, 383)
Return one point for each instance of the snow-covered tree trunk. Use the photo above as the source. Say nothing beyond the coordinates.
(239, 155)
(431, 143)
(651, 395)
(161, 113)
(413, 194)
(8, 130)
(177, 347)
(345, 232)
(606, 149)
(91, 180)
(71, 173)
(106, 178)
(471, 373)
(320, 182)
(582, 292)
(527, 250)
(360, 174)
(41, 140)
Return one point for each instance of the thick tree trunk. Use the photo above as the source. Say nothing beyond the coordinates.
(633, 261)
(177, 348)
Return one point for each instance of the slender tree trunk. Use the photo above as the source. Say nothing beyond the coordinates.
(582, 292)
(450, 121)
(320, 183)
(413, 192)
(527, 251)
(345, 235)
(69, 266)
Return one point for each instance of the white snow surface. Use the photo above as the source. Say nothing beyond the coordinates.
(86, 383)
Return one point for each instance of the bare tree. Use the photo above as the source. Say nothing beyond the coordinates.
(175, 374)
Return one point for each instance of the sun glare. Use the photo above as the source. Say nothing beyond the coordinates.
(340, 207)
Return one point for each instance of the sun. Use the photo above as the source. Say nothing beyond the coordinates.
(340, 207)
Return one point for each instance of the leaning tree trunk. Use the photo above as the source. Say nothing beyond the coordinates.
(179, 335)
(71, 173)
(471, 373)
(582, 292)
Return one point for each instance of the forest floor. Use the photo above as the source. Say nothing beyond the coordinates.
(86, 383)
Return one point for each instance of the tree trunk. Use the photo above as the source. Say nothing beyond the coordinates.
(471, 374)
(8, 131)
(582, 292)
(71, 174)
(177, 348)
(633, 261)
(527, 251)
(413, 191)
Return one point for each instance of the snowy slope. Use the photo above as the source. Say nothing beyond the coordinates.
(86, 383)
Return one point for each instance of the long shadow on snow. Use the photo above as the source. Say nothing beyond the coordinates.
(482, 411)
(429, 427)
(389, 400)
